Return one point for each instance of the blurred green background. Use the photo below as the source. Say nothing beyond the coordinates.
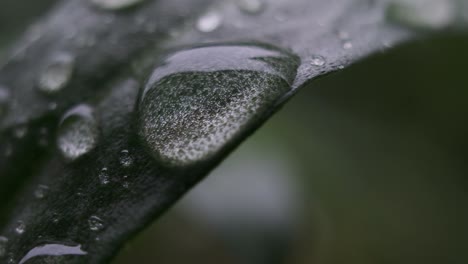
(367, 165)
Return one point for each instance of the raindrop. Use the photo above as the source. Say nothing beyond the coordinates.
(3, 246)
(422, 14)
(251, 6)
(53, 250)
(78, 132)
(343, 35)
(41, 191)
(104, 176)
(126, 160)
(115, 4)
(317, 60)
(125, 183)
(209, 22)
(347, 45)
(20, 131)
(56, 74)
(95, 223)
(20, 227)
(202, 99)
(4, 101)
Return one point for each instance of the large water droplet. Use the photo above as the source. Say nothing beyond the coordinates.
(201, 99)
(78, 132)
(423, 14)
(115, 4)
(251, 6)
(3, 246)
(95, 223)
(209, 22)
(57, 73)
(53, 250)
(41, 191)
(4, 101)
(20, 227)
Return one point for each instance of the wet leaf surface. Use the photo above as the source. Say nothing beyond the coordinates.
(116, 108)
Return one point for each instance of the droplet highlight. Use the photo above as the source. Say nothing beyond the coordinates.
(200, 100)
(55, 250)
(57, 74)
(251, 6)
(209, 22)
(78, 132)
(115, 4)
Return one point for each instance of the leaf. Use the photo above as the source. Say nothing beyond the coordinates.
(148, 98)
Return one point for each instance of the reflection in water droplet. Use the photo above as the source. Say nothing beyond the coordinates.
(209, 22)
(317, 60)
(78, 132)
(3, 246)
(56, 250)
(4, 101)
(423, 14)
(251, 6)
(201, 99)
(20, 227)
(95, 223)
(115, 4)
(57, 73)
(126, 160)
(41, 191)
(103, 176)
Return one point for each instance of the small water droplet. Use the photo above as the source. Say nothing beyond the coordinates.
(104, 176)
(201, 99)
(95, 223)
(317, 60)
(78, 132)
(56, 74)
(251, 6)
(3, 246)
(126, 160)
(52, 106)
(4, 101)
(347, 45)
(343, 35)
(41, 191)
(20, 227)
(115, 4)
(209, 22)
(20, 131)
(52, 250)
(422, 14)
